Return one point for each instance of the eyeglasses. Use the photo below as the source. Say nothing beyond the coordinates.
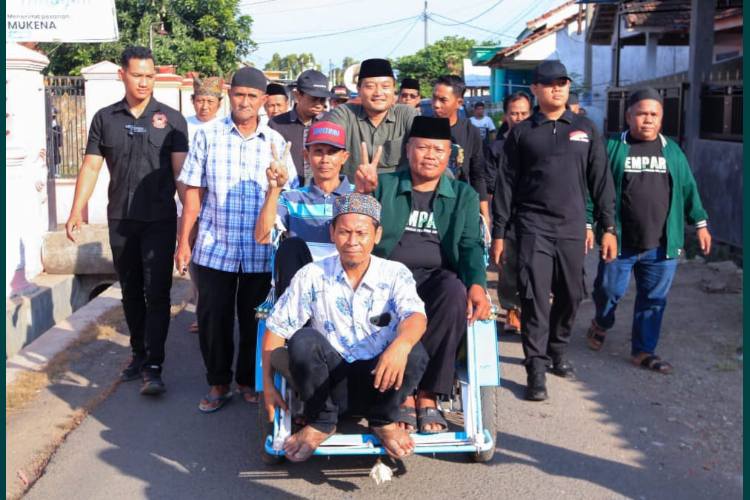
(408, 95)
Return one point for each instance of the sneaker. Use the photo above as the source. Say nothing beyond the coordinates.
(133, 370)
(153, 385)
(536, 388)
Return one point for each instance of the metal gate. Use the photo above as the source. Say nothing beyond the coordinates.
(66, 124)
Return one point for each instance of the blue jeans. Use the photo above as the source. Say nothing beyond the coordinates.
(653, 278)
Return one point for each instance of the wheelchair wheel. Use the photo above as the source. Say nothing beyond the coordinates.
(265, 428)
(489, 421)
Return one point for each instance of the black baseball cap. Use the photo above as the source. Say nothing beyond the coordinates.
(549, 71)
(314, 83)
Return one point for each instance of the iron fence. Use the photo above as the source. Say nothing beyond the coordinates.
(66, 124)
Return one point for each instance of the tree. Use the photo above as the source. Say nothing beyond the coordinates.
(208, 36)
(442, 57)
(292, 64)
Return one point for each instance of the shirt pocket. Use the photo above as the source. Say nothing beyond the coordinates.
(391, 152)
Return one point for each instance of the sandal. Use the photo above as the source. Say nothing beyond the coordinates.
(408, 415)
(595, 336)
(207, 403)
(428, 416)
(654, 363)
(248, 394)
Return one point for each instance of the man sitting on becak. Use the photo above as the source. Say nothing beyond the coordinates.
(305, 213)
(431, 225)
(362, 350)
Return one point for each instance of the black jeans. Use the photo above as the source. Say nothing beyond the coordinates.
(218, 291)
(444, 297)
(142, 253)
(291, 256)
(547, 266)
(330, 386)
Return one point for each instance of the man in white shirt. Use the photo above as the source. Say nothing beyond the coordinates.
(362, 350)
(206, 100)
(484, 123)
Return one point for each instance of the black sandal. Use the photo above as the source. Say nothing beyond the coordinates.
(429, 416)
(595, 336)
(408, 415)
(656, 364)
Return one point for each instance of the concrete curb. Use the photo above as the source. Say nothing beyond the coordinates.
(36, 356)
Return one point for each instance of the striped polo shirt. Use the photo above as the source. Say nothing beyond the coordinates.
(306, 213)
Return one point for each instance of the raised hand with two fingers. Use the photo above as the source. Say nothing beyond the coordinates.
(366, 177)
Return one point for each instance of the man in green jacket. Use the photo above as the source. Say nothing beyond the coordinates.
(431, 224)
(655, 193)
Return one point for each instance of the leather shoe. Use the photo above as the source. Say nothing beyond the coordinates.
(536, 389)
(153, 385)
(133, 370)
(562, 368)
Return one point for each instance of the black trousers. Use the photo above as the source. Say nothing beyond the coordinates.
(330, 386)
(547, 266)
(218, 291)
(142, 253)
(291, 256)
(444, 297)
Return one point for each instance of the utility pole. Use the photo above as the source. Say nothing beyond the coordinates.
(424, 15)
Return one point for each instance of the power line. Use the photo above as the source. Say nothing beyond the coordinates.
(457, 23)
(478, 15)
(419, 18)
(335, 33)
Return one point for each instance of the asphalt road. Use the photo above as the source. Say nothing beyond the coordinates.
(599, 436)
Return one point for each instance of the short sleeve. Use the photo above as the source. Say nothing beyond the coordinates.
(282, 210)
(404, 294)
(93, 145)
(292, 311)
(179, 134)
(193, 172)
(491, 124)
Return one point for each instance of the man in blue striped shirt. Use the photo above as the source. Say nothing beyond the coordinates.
(226, 168)
(305, 213)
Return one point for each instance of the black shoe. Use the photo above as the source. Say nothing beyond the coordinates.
(562, 368)
(133, 370)
(153, 385)
(536, 389)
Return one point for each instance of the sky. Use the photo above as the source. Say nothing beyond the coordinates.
(334, 29)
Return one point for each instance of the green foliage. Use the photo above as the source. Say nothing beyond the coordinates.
(208, 36)
(442, 57)
(293, 64)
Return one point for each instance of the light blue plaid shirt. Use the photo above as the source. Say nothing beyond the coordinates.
(232, 169)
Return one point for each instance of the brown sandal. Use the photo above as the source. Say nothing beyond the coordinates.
(596, 336)
(654, 363)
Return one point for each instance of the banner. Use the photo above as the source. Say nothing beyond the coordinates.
(61, 21)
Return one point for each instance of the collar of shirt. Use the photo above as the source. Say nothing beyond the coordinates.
(540, 118)
(123, 106)
(262, 130)
(342, 189)
(362, 114)
(370, 279)
(445, 188)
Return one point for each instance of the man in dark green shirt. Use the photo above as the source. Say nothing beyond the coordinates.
(376, 122)
(431, 224)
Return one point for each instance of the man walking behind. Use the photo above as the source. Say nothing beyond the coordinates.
(145, 143)
(655, 193)
(228, 165)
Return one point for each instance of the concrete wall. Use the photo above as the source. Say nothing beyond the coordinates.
(718, 172)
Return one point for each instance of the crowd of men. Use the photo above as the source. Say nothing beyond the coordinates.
(382, 262)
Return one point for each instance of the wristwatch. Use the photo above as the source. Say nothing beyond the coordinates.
(610, 230)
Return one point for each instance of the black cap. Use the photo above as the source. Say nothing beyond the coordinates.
(573, 98)
(276, 89)
(314, 83)
(370, 68)
(431, 128)
(250, 77)
(645, 93)
(410, 83)
(549, 71)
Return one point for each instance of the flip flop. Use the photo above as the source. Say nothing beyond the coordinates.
(244, 391)
(221, 400)
(656, 364)
(428, 416)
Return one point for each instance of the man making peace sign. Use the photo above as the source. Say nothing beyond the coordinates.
(228, 163)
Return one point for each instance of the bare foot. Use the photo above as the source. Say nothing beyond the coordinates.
(395, 440)
(302, 444)
(428, 400)
(409, 403)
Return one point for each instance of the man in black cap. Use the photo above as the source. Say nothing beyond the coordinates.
(226, 173)
(657, 193)
(377, 122)
(409, 93)
(431, 224)
(555, 159)
(467, 156)
(310, 96)
(145, 143)
(339, 95)
(277, 100)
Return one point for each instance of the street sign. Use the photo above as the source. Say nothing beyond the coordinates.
(61, 21)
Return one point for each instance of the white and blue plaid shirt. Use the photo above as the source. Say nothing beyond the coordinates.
(232, 169)
(359, 323)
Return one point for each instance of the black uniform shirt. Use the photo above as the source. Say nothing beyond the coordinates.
(549, 166)
(467, 159)
(646, 193)
(138, 154)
